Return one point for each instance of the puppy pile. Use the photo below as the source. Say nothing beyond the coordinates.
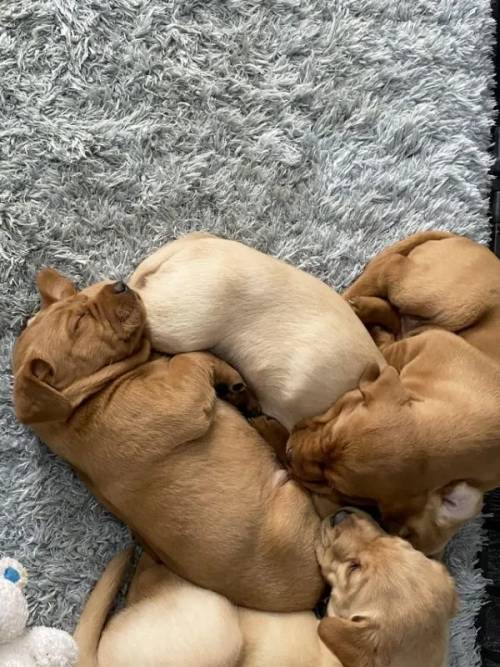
(153, 392)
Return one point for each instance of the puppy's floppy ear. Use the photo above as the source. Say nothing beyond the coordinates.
(460, 502)
(34, 399)
(383, 384)
(353, 641)
(370, 373)
(53, 286)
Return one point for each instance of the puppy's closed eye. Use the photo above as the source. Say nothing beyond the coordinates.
(77, 321)
(357, 618)
(353, 565)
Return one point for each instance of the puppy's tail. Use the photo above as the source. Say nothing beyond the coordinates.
(405, 246)
(95, 612)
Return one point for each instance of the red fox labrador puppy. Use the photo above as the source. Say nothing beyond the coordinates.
(190, 476)
(293, 338)
(390, 607)
(421, 437)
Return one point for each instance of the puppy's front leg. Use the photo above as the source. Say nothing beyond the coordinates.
(274, 433)
(386, 268)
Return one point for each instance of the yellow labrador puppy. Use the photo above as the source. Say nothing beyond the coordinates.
(294, 339)
(390, 607)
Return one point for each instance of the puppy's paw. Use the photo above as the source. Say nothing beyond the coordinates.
(269, 428)
(381, 337)
(355, 306)
(239, 395)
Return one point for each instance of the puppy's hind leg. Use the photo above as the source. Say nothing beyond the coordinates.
(386, 268)
(148, 574)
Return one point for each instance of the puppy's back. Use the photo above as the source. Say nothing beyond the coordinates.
(294, 339)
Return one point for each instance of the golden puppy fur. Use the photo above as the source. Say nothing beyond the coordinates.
(195, 482)
(422, 437)
(390, 607)
(296, 342)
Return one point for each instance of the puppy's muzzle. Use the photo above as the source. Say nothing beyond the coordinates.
(340, 516)
(120, 287)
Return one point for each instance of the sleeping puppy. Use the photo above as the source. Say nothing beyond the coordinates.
(390, 607)
(296, 342)
(424, 432)
(191, 477)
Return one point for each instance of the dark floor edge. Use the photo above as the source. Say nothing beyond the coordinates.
(488, 622)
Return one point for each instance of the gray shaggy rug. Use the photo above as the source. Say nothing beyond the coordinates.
(317, 130)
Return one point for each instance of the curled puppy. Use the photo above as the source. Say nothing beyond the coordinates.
(422, 437)
(191, 477)
(293, 338)
(390, 606)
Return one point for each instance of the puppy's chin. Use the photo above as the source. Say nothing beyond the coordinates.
(309, 473)
(320, 488)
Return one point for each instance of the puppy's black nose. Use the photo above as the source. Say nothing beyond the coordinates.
(120, 287)
(340, 516)
(374, 512)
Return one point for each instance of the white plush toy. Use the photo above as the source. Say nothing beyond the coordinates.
(27, 647)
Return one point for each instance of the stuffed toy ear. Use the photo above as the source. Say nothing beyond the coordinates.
(53, 286)
(35, 400)
(11, 570)
(353, 641)
(460, 503)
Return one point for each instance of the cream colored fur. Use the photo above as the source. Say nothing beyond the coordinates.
(294, 339)
(181, 625)
(374, 620)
